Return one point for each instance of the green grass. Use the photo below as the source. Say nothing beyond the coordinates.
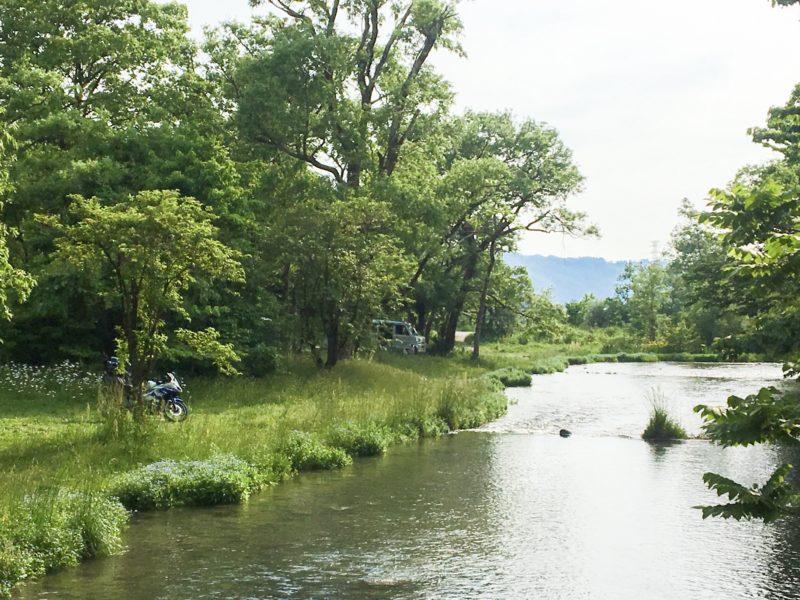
(242, 434)
(511, 377)
(662, 427)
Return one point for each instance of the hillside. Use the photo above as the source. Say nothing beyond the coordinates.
(570, 278)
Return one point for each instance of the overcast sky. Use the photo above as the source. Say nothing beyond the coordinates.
(654, 98)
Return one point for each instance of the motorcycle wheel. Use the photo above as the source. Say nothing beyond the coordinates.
(176, 410)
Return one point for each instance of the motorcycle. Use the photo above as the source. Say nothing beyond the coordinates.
(162, 397)
(159, 397)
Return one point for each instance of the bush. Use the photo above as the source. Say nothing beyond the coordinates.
(645, 357)
(553, 364)
(661, 426)
(57, 528)
(423, 427)
(466, 410)
(609, 358)
(511, 377)
(260, 360)
(361, 440)
(307, 453)
(222, 479)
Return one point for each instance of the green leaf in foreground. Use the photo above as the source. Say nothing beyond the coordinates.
(767, 502)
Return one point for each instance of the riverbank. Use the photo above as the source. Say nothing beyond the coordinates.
(69, 470)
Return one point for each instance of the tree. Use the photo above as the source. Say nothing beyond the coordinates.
(12, 280)
(705, 298)
(578, 310)
(645, 289)
(106, 100)
(330, 84)
(147, 251)
(344, 269)
(500, 179)
(758, 217)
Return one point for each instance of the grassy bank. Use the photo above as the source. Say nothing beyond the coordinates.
(540, 359)
(70, 469)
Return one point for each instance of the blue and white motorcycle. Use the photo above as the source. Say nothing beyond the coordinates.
(164, 397)
(159, 397)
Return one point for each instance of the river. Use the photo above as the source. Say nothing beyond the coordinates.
(511, 510)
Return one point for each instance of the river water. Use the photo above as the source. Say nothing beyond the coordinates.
(508, 511)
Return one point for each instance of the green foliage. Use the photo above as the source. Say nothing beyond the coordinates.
(767, 503)
(222, 479)
(206, 345)
(662, 427)
(12, 280)
(368, 439)
(463, 411)
(625, 357)
(261, 360)
(511, 377)
(50, 529)
(148, 250)
(344, 269)
(306, 452)
(545, 366)
(767, 416)
(645, 289)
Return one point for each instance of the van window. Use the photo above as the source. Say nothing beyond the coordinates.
(399, 329)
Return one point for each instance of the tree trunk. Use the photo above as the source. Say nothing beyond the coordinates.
(421, 311)
(332, 335)
(447, 341)
(476, 341)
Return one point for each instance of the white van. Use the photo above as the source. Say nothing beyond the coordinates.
(399, 336)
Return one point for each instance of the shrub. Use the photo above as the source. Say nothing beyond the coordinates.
(465, 410)
(424, 426)
(711, 358)
(57, 528)
(646, 357)
(553, 364)
(307, 453)
(222, 479)
(661, 426)
(260, 360)
(368, 439)
(609, 358)
(511, 377)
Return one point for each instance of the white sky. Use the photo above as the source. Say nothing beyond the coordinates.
(654, 98)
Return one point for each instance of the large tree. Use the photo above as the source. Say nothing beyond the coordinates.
(147, 251)
(12, 280)
(341, 86)
(106, 101)
(499, 179)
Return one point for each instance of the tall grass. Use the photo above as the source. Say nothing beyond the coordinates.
(661, 427)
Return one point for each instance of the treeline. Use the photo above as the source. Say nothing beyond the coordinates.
(730, 281)
(273, 188)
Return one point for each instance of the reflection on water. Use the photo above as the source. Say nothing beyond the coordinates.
(520, 514)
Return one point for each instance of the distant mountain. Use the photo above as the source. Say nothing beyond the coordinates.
(570, 278)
